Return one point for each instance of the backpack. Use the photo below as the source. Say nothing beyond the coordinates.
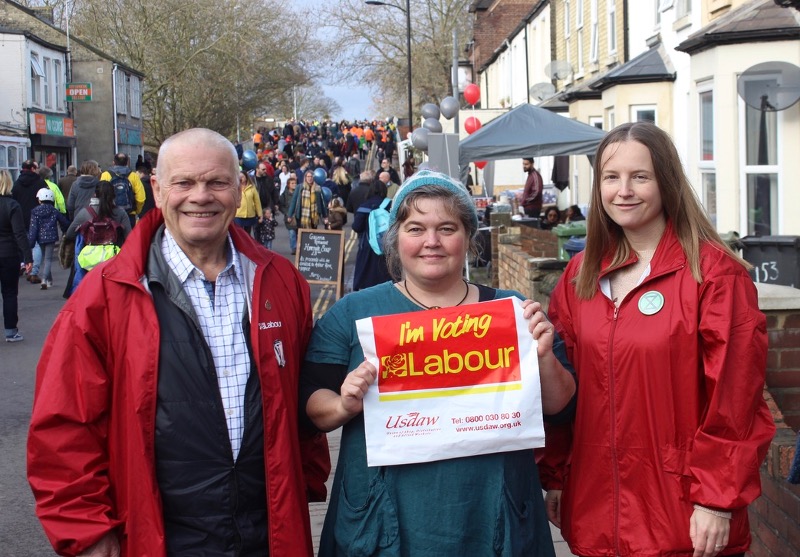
(378, 225)
(123, 192)
(99, 238)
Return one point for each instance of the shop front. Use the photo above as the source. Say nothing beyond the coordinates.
(52, 142)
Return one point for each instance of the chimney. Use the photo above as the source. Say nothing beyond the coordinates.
(45, 13)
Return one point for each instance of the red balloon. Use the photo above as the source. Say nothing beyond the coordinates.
(472, 94)
(480, 164)
(472, 124)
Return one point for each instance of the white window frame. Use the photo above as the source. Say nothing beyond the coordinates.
(136, 97)
(36, 80)
(47, 68)
(58, 84)
(745, 170)
(567, 14)
(612, 27)
(595, 120)
(611, 118)
(121, 86)
(578, 14)
(701, 91)
(20, 147)
(594, 47)
(682, 8)
(636, 109)
(707, 167)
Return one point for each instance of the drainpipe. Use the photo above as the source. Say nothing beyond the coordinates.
(527, 67)
(114, 107)
(625, 45)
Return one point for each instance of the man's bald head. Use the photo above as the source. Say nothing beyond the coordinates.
(196, 137)
(385, 177)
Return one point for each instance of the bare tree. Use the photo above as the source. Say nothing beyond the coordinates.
(369, 46)
(209, 63)
(306, 102)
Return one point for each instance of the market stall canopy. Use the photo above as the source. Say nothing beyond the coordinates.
(529, 131)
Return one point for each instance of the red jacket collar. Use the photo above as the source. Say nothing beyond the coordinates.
(669, 253)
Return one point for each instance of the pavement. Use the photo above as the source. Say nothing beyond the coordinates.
(20, 532)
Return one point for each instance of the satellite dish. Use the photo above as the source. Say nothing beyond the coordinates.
(770, 86)
(542, 91)
(558, 69)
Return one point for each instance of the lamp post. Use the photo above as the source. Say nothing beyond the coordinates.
(407, 11)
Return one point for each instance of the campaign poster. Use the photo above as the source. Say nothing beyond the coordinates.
(452, 382)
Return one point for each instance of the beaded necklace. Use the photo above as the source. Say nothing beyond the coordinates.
(405, 287)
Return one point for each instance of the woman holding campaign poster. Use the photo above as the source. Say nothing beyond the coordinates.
(662, 324)
(489, 504)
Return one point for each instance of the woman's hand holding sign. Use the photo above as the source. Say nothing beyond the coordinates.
(558, 385)
(540, 328)
(355, 387)
(330, 410)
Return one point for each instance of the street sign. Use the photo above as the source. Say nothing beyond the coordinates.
(79, 92)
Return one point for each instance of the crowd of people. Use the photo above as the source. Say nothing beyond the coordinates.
(201, 431)
(36, 208)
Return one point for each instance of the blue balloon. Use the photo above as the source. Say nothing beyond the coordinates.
(320, 176)
(327, 194)
(249, 160)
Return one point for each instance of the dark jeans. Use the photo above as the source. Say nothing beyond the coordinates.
(9, 287)
(246, 223)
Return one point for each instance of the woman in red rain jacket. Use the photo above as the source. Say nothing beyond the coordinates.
(662, 324)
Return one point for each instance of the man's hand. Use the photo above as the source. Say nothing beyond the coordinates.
(108, 546)
(552, 504)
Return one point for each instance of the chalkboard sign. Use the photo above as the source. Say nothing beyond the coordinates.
(775, 259)
(319, 256)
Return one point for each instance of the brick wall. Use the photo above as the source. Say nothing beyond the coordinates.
(775, 516)
(524, 260)
(783, 363)
(493, 25)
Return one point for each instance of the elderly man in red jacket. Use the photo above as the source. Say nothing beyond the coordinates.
(165, 411)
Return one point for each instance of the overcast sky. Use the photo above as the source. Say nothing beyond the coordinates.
(356, 102)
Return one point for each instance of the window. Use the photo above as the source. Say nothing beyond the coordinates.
(58, 85)
(682, 8)
(579, 47)
(11, 156)
(705, 163)
(643, 113)
(121, 90)
(594, 46)
(761, 165)
(566, 19)
(46, 82)
(612, 26)
(596, 121)
(709, 182)
(36, 80)
(136, 97)
(707, 126)
(578, 14)
(611, 119)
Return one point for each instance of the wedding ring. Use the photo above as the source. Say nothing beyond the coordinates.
(718, 546)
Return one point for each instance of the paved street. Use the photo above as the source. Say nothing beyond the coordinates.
(20, 533)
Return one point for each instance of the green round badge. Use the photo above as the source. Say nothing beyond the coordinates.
(651, 302)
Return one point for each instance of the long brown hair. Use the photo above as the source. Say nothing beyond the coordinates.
(604, 237)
